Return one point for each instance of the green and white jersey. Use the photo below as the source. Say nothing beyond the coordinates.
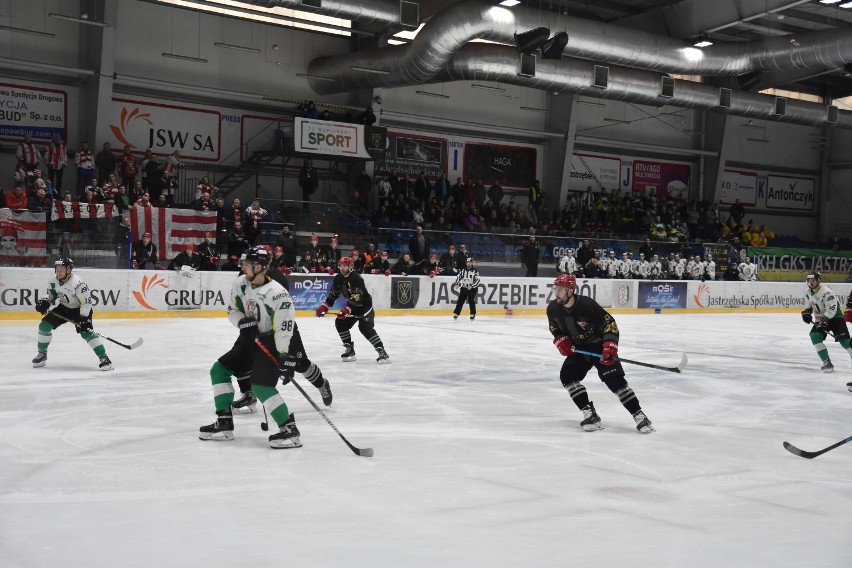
(72, 293)
(270, 304)
(823, 303)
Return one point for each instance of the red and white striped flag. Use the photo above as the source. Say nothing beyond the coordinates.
(78, 210)
(171, 229)
(23, 238)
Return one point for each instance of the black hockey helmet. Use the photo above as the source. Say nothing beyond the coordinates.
(814, 275)
(66, 262)
(258, 255)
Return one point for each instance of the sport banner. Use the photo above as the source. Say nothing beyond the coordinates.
(171, 229)
(792, 264)
(327, 137)
(24, 238)
(77, 210)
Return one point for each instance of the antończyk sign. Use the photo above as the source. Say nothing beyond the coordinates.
(326, 137)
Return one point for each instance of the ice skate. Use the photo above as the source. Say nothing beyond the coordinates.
(642, 423)
(383, 358)
(455, 316)
(591, 421)
(220, 431)
(247, 404)
(472, 317)
(287, 437)
(827, 367)
(349, 354)
(40, 359)
(849, 386)
(105, 364)
(325, 392)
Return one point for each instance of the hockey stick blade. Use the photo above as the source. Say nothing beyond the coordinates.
(811, 455)
(676, 369)
(366, 452)
(132, 346)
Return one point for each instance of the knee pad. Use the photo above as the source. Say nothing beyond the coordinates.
(219, 373)
(613, 378)
(45, 328)
(817, 337)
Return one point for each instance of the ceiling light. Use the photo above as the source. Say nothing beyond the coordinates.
(184, 57)
(487, 87)
(846, 5)
(702, 41)
(436, 95)
(83, 19)
(829, 1)
(368, 70)
(237, 47)
(510, 3)
(26, 31)
(317, 77)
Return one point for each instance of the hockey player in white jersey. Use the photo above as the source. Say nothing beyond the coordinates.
(824, 310)
(613, 267)
(73, 297)
(656, 268)
(625, 265)
(643, 267)
(263, 311)
(695, 268)
(567, 264)
(676, 268)
(710, 268)
(747, 270)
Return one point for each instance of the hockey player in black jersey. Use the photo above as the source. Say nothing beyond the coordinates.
(580, 321)
(358, 308)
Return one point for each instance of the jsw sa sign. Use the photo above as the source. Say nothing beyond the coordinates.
(194, 132)
(326, 137)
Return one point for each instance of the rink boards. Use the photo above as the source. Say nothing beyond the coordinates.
(167, 293)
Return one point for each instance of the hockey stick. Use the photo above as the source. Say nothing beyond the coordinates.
(133, 345)
(265, 424)
(366, 452)
(676, 369)
(811, 455)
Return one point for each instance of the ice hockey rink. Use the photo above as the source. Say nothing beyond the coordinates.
(479, 460)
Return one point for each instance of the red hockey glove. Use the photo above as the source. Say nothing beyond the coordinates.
(134, 264)
(215, 259)
(847, 315)
(285, 270)
(313, 269)
(376, 271)
(609, 355)
(344, 313)
(387, 272)
(563, 343)
(432, 274)
(322, 309)
(330, 270)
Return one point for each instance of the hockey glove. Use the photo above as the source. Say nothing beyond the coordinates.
(432, 274)
(322, 309)
(42, 306)
(847, 315)
(807, 317)
(609, 355)
(287, 373)
(344, 312)
(284, 270)
(387, 272)
(563, 343)
(248, 328)
(134, 264)
(330, 270)
(84, 324)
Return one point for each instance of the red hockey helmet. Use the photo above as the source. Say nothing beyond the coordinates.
(346, 261)
(565, 281)
(267, 248)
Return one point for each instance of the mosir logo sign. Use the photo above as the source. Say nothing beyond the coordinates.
(194, 132)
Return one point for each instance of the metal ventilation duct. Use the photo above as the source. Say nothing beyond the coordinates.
(382, 12)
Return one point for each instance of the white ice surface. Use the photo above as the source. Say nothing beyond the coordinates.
(479, 460)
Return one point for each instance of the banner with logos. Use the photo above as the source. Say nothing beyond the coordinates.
(509, 166)
(767, 191)
(192, 130)
(793, 264)
(736, 184)
(410, 154)
(590, 170)
(328, 137)
(36, 110)
(662, 295)
(664, 179)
